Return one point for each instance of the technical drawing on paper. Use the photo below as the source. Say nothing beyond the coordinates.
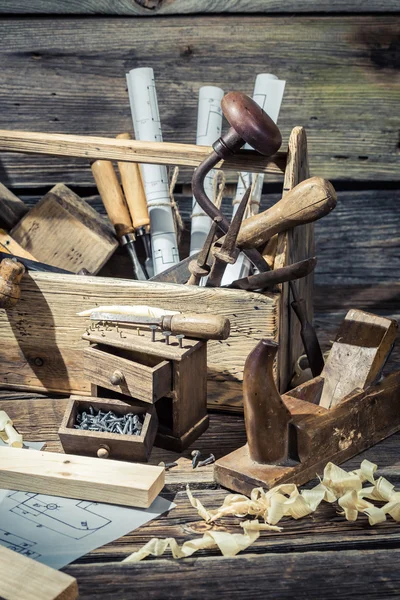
(18, 544)
(75, 522)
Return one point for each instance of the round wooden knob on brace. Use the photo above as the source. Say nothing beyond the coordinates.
(253, 124)
(116, 378)
(103, 451)
(11, 273)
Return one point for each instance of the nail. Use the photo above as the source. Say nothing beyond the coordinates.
(166, 334)
(195, 458)
(167, 466)
(180, 337)
(207, 461)
(153, 329)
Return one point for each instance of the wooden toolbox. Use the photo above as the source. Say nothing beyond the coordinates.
(42, 347)
(132, 448)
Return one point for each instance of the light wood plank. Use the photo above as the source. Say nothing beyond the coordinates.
(22, 578)
(83, 477)
(89, 147)
(179, 7)
(73, 81)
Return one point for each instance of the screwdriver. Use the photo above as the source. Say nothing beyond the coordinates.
(117, 210)
(135, 197)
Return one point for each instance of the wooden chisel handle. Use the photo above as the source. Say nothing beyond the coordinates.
(11, 273)
(203, 327)
(134, 191)
(308, 201)
(112, 196)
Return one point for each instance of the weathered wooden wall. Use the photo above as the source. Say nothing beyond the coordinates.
(63, 74)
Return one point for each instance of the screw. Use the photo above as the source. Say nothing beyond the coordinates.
(207, 461)
(196, 456)
(166, 334)
(153, 329)
(180, 337)
(167, 466)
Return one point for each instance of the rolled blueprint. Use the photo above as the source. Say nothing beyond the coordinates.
(268, 93)
(146, 123)
(209, 126)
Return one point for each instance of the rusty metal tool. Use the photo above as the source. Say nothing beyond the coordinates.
(199, 267)
(249, 123)
(228, 252)
(35, 265)
(307, 333)
(262, 280)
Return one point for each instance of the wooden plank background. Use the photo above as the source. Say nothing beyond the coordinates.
(176, 7)
(68, 75)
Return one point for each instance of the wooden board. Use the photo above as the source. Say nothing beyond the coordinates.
(22, 578)
(337, 69)
(11, 208)
(82, 477)
(63, 231)
(41, 337)
(153, 8)
(357, 356)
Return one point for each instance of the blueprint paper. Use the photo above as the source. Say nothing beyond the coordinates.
(209, 127)
(56, 531)
(147, 126)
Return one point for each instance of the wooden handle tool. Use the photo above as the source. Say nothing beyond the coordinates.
(117, 210)
(203, 327)
(133, 189)
(135, 196)
(11, 273)
(307, 202)
(112, 197)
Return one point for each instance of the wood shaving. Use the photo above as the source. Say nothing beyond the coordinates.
(284, 501)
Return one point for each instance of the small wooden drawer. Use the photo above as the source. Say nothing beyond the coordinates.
(141, 376)
(134, 448)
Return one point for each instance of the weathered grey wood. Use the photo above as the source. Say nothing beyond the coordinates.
(337, 69)
(328, 575)
(179, 7)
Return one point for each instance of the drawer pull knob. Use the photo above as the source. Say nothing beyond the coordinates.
(116, 378)
(103, 451)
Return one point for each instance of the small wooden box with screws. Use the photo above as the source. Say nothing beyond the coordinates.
(108, 428)
(147, 366)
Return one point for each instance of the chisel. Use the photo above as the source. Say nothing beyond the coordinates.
(135, 197)
(199, 326)
(117, 210)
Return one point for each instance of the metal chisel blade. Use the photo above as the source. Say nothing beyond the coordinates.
(120, 318)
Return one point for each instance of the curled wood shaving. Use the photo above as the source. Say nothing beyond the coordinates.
(284, 501)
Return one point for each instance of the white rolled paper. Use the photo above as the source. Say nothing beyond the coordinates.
(147, 127)
(209, 127)
(268, 93)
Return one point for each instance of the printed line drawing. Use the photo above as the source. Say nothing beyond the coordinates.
(18, 544)
(47, 511)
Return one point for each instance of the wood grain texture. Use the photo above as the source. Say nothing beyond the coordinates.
(82, 477)
(22, 578)
(11, 208)
(63, 231)
(42, 346)
(337, 69)
(144, 382)
(289, 576)
(153, 8)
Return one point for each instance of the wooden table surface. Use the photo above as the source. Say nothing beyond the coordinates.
(321, 555)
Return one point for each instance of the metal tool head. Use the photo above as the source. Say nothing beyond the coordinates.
(252, 123)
